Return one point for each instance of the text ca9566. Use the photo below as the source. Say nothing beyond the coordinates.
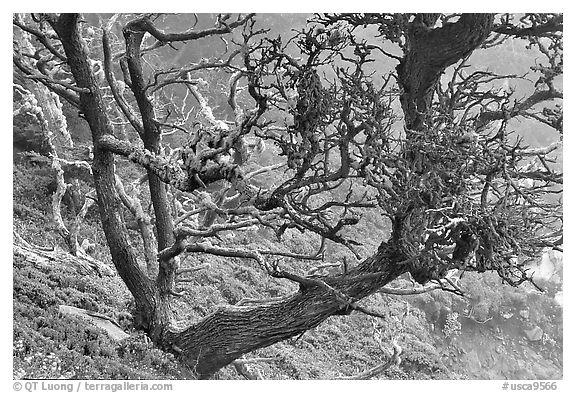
(529, 386)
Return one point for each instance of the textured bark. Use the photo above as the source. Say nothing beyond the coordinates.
(228, 333)
(49, 108)
(70, 237)
(144, 227)
(429, 51)
(92, 105)
(151, 136)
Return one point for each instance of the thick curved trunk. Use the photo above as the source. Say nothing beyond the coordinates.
(429, 51)
(233, 331)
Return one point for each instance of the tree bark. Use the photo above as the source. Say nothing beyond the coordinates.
(429, 51)
(231, 332)
(151, 137)
(92, 105)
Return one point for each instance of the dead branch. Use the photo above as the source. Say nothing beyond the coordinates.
(61, 188)
(536, 28)
(315, 269)
(45, 258)
(374, 371)
(144, 24)
(42, 37)
(259, 360)
(245, 371)
(193, 269)
(262, 170)
(132, 203)
(51, 82)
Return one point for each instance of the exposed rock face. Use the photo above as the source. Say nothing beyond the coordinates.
(473, 361)
(558, 298)
(534, 334)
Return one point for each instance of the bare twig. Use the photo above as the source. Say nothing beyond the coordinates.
(374, 371)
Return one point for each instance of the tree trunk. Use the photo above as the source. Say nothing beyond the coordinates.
(233, 331)
(151, 139)
(92, 105)
(429, 51)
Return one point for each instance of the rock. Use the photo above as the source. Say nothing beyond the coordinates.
(559, 297)
(481, 312)
(534, 334)
(472, 361)
(524, 313)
